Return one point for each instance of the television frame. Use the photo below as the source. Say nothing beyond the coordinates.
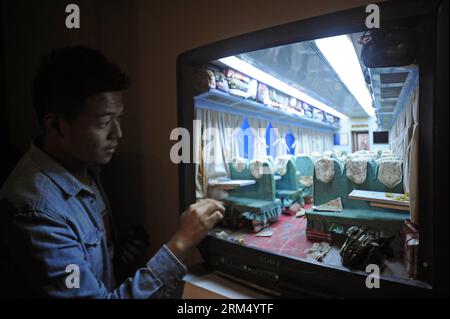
(288, 277)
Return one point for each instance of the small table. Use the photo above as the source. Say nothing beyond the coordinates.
(231, 184)
(379, 199)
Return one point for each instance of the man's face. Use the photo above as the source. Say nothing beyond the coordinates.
(93, 136)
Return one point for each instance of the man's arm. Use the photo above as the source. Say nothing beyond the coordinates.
(44, 247)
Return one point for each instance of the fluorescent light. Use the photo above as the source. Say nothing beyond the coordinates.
(341, 55)
(263, 77)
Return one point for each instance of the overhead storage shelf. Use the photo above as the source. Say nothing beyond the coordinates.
(224, 102)
(392, 87)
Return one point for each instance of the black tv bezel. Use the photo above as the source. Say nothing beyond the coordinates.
(299, 278)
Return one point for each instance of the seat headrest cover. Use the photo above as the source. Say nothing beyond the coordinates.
(390, 172)
(281, 164)
(356, 170)
(324, 169)
(259, 167)
(239, 164)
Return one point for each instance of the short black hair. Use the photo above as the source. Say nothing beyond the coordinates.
(67, 77)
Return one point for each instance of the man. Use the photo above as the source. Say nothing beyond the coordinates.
(57, 237)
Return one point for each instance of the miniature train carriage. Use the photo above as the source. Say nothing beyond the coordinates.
(309, 170)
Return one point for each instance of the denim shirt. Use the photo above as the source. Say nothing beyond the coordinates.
(56, 233)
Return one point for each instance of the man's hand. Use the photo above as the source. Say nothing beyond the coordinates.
(195, 222)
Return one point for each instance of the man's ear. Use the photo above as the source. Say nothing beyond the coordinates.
(51, 123)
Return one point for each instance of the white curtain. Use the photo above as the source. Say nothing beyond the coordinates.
(306, 140)
(259, 142)
(310, 140)
(405, 144)
(222, 145)
(217, 145)
(280, 141)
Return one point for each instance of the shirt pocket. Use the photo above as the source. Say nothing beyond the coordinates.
(92, 242)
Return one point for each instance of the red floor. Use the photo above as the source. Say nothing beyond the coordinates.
(288, 238)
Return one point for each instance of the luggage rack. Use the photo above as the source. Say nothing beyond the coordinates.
(224, 102)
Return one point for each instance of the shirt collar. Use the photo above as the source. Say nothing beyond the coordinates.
(57, 173)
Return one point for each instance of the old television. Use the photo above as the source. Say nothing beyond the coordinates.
(381, 137)
(284, 261)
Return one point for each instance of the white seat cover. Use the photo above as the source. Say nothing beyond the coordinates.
(390, 172)
(324, 169)
(281, 164)
(257, 168)
(356, 170)
(239, 164)
(306, 180)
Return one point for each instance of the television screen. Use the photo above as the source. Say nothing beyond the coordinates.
(304, 218)
(381, 137)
